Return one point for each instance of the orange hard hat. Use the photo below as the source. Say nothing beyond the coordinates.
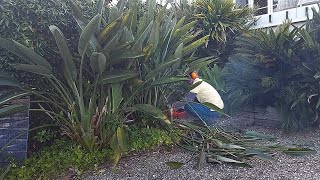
(193, 75)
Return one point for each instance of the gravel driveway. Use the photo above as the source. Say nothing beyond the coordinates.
(152, 165)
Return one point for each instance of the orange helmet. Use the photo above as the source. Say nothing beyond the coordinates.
(193, 75)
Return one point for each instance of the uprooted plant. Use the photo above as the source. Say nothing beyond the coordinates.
(216, 146)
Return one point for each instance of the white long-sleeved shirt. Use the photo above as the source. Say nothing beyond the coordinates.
(206, 93)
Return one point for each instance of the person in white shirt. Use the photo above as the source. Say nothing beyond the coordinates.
(204, 93)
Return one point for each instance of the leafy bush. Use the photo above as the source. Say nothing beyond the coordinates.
(56, 159)
(148, 138)
(93, 93)
(62, 156)
(27, 22)
(222, 20)
(278, 68)
(214, 76)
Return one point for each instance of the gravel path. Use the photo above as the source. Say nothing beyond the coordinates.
(152, 165)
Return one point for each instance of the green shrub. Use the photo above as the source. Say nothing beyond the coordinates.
(222, 20)
(147, 138)
(278, 68)
(55, 160)
(64, 155)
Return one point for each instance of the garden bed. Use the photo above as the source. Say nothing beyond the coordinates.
(152, 165)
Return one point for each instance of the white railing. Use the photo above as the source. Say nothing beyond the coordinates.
(297, 15)
(270, 13)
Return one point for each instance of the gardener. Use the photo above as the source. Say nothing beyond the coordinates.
(204, 92)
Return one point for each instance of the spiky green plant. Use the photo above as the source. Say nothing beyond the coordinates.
(220, 18)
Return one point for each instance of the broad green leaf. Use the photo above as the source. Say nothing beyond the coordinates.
(6, 80)
(116, 76)
(178, 52)
(180, 23)
(115, 146)
(255, 134)
(100, 6)
(218, 143)
(98, 62)
(135, 82)
(215, 108)
(36, 69)
(114, 26)
(121, 138)
(174, 164)
(184, 29)
(202, 160)
(153, 111)
(169, 79)
(154, 35)
(194, 60)
(152, 5)
(124, 19)
(198, 66)
(8, 96)
(113, 43)
(12, 109)
(161, 68)
(162, 13)
(138, 44)
(87, 34)
(194, 45)
(105, 33)
(116, 90)
(212, 160)
(299, 151)
(232, 161)
(127, 36)
(64, 51)
(192, 86)
(77, 12)
(124, 55)
(24, 53)
(263, 156)
(232, 146)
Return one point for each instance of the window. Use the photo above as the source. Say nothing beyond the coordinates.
(242, 2)
(261, 6)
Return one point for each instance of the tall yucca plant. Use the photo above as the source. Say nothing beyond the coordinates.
(285, 62)
(264, 62)
(164, 40)
(221, 18)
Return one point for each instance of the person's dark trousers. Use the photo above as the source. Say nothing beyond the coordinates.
(201, 112)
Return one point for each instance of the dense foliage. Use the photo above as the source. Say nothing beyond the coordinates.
(130, 63)
(278, 68)
(66, 157)
(120, 66)
(223, 21)
(27, 22)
